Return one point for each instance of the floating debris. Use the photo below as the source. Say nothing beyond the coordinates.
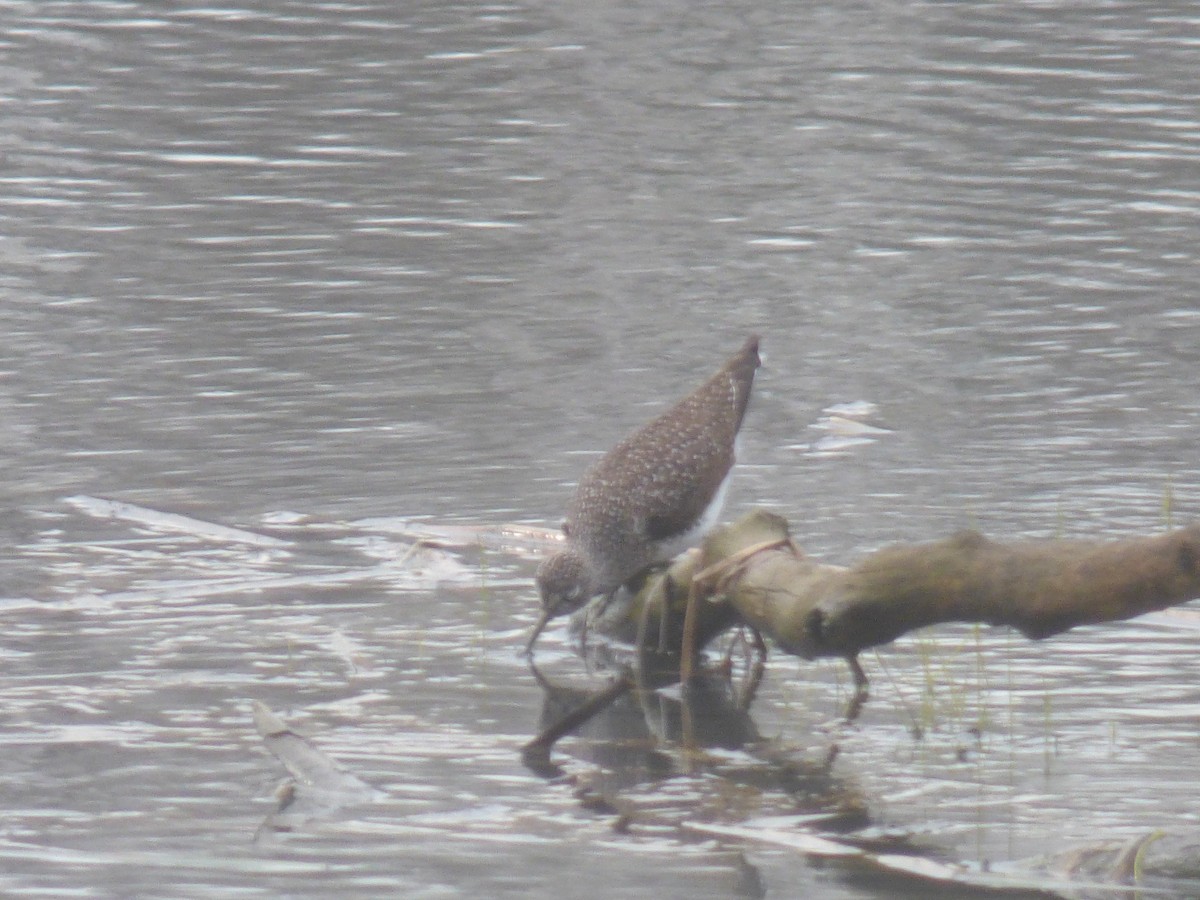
(514, 537)
(165, 521)
(846, 426)
(319, 786)
(1011, 880)
(850, 419)
(854, 409)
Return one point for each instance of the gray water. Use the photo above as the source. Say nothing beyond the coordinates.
(328, 272)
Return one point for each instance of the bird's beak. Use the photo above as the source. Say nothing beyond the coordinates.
(543, 620)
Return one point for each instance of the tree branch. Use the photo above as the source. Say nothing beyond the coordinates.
(812, 609)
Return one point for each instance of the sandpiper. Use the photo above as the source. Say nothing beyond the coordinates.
(652, 495)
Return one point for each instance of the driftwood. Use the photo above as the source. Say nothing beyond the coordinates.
(1040, 588)
(811, 609)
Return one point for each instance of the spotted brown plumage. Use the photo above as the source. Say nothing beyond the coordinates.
(652, 495)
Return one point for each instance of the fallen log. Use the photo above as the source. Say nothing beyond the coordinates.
(812, 609)
(1040, 588)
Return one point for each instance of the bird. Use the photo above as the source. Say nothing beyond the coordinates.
(651, 496)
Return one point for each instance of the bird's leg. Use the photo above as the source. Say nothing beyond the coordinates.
(754, 670)
(857, 673)
(601, 605)
(643, 631)
(750, 640)
(854, 707)
(739, 639)
(594, 610)
(687, 649)
(759, 643)
(669, 588)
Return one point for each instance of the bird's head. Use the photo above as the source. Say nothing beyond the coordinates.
(565, 585)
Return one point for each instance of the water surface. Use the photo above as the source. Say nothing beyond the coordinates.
(303, 269)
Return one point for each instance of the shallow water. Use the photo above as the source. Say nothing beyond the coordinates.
(338, 273)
